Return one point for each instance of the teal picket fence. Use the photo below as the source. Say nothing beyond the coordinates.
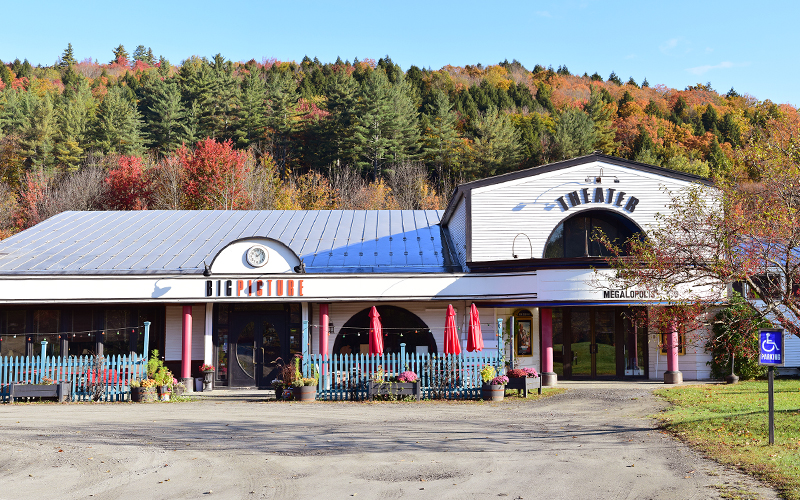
(110, 377)
(442, 376)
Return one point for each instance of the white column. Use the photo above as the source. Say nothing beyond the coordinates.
(208, 339)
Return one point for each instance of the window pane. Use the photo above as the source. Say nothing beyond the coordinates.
(575, 237)
(13, 344)
(555, 245)
(117, 337)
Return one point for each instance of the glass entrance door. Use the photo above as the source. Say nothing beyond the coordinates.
(255, 347)
(605, 355)
(592, 350)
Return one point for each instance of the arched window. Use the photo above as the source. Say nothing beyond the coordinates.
(573, 236)
(399, 326)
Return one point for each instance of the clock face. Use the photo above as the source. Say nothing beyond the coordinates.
(257, 256)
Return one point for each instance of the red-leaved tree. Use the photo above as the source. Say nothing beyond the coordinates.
(128, 186)
(216, 176)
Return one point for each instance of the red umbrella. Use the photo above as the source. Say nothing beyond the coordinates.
(475, 338)
(451, 343)
(375, 337)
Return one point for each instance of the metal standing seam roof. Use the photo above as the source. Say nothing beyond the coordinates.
(181, 241)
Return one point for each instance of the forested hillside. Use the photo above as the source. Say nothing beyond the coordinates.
(139, 132)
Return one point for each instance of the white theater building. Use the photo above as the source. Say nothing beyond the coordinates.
(242, 288)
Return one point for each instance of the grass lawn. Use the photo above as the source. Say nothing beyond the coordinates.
(730, 424)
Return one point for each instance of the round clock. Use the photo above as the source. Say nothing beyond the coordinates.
(257, 256)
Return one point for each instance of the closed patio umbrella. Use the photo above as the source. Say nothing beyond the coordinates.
(375, 337)
(451, 343)
(475, 337)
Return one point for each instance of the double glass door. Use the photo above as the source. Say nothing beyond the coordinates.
(593, 342)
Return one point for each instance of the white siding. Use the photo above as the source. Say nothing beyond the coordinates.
(173, 341)
(528, 207)
(792, 351)
(457, 227)
(433, 314)
(692, 364)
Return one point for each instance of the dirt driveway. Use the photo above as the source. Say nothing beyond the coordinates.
(590, 442)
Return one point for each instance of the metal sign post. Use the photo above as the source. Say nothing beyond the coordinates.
(771, 354)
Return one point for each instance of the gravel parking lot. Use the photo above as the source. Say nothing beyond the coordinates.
(590, 442)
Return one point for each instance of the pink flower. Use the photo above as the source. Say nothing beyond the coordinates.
(407, 376)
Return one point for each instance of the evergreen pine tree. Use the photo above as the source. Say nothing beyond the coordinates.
(602, 115)
(282, 117)
(614, 78)
(652, 109)
(496, 144)
(574, 133)
(219, 103)
(164, 117)
(645, 83)
(38, 134)
(68, 57)
(334, 133)
(74, 113)
(117, 125)
(373, 125)
(252, 121)
(440, 141)
(5, 74)
(120, 54)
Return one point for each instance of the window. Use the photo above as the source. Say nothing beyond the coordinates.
(573, 237)
(681, 344)
(770, 285)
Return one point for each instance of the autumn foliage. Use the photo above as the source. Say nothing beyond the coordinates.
(215, 175)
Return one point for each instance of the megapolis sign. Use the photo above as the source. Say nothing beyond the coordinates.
(771, 347)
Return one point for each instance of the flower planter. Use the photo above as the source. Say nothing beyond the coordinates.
(143, 394)
(208, 380)
(394, 389)
(493, 392)
(163, 392)
(61, 391)
(525, 384)
(305, 393)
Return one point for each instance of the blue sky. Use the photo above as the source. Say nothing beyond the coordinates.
(750, 46)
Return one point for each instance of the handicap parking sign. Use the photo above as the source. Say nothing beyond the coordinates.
(771, 347)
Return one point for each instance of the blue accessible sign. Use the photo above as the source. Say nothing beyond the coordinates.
(771, 350)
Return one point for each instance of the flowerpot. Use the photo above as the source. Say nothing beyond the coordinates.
(208, 380)
(163, 392)
(148, 394)
(493, 392)
(136, 394)
(305, 393)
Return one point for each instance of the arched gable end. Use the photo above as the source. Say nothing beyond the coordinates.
(232, 259)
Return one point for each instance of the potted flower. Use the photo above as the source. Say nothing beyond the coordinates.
(163, 380)
(136, 391)
(148, 390)
(494, 386)
(305, 389)
(405, 384)
(524, 380)
(208, 376)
